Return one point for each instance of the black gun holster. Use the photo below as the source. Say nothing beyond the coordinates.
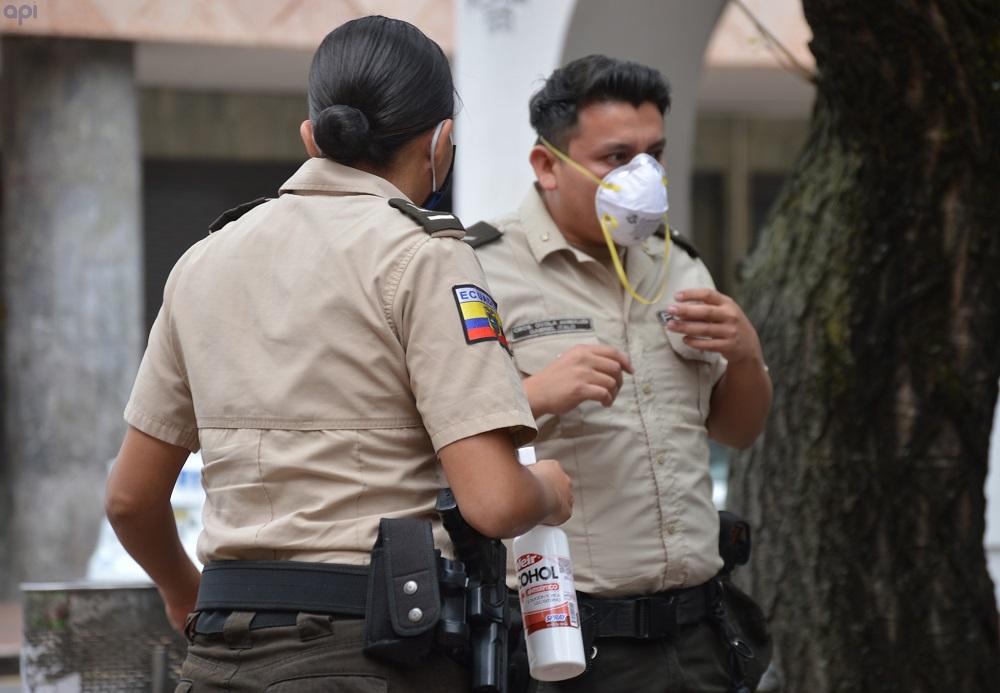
(403, 603)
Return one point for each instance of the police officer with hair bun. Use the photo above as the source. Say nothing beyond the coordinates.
(337, 357)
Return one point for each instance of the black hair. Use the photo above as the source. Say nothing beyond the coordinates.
(596, 78)
(376, 83)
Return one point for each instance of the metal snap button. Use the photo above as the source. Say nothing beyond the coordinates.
(410, 587)
(415, 615)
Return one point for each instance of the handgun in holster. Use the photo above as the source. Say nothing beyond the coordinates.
(734, 542)
(480, 634)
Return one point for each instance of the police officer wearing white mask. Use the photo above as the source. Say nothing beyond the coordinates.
(631, 361)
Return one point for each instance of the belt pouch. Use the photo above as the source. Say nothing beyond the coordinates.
(404, 600)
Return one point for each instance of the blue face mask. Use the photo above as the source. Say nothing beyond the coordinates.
(434, 199)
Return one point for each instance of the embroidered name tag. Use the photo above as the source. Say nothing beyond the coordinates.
(548, 327)
(478, 312)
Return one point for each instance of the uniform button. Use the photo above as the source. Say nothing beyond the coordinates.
(415, 615)
(660, 459)
(647, 388)
(545, 236)
(409, 587)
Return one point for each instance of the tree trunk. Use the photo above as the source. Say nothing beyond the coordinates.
(876, 290)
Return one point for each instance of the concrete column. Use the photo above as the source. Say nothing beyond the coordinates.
(71, 292)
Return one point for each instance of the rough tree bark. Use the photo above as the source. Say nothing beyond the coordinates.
(876, 289)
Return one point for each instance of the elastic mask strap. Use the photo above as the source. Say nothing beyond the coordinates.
(578, 166)
(608, 222)
(434, 142)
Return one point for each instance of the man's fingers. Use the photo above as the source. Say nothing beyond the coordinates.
(598, 394)
(702, 312)
(704, 295)
(603, 380)
(609, 367)
(718, 345)
(703, 329)
(611, 353)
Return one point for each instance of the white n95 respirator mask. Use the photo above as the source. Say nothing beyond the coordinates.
(631, 204)
(632, 199)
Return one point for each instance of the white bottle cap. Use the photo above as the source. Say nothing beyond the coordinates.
(526, 455)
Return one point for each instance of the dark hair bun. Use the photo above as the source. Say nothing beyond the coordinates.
(396, 80)
(342, 132)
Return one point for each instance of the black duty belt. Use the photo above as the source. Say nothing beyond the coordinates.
(656, 616)
(286, 586)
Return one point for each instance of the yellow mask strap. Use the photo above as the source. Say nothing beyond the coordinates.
(609, 222)
(577, 165)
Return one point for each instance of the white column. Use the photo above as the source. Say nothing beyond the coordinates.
(503, 51)
(992, 539)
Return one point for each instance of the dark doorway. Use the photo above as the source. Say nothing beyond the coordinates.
(182, 197)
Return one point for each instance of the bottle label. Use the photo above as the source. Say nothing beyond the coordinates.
(545, 587)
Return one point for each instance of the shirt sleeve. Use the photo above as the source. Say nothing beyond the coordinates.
(461, 372)
(161, 403)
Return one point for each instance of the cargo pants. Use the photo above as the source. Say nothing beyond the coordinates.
(317, 653)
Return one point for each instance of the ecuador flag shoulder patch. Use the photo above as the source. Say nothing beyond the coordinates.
(478, 313)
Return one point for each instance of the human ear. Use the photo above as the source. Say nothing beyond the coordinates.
(306, 133)
(543, 161)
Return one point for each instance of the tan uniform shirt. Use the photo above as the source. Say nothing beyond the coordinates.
(317, 351)
(643, 519)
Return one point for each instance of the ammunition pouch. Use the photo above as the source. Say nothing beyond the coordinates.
(403, 604)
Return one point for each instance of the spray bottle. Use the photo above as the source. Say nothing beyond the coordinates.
(548, 599)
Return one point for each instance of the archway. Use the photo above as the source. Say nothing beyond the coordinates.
(504, 48)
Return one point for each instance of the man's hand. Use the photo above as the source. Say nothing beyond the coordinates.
(585, 372)
(711, 321)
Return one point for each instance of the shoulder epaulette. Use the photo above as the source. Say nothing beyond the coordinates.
(235, 213)
(437, 224)
(677, 239)
(481, 233)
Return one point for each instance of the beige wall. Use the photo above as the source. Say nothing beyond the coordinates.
(233, 126)
(276, 23)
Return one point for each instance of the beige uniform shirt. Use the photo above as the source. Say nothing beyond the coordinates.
(320, 350)
(643, 519)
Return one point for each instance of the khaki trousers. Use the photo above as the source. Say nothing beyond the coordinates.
(695, 662)
(318, 653)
